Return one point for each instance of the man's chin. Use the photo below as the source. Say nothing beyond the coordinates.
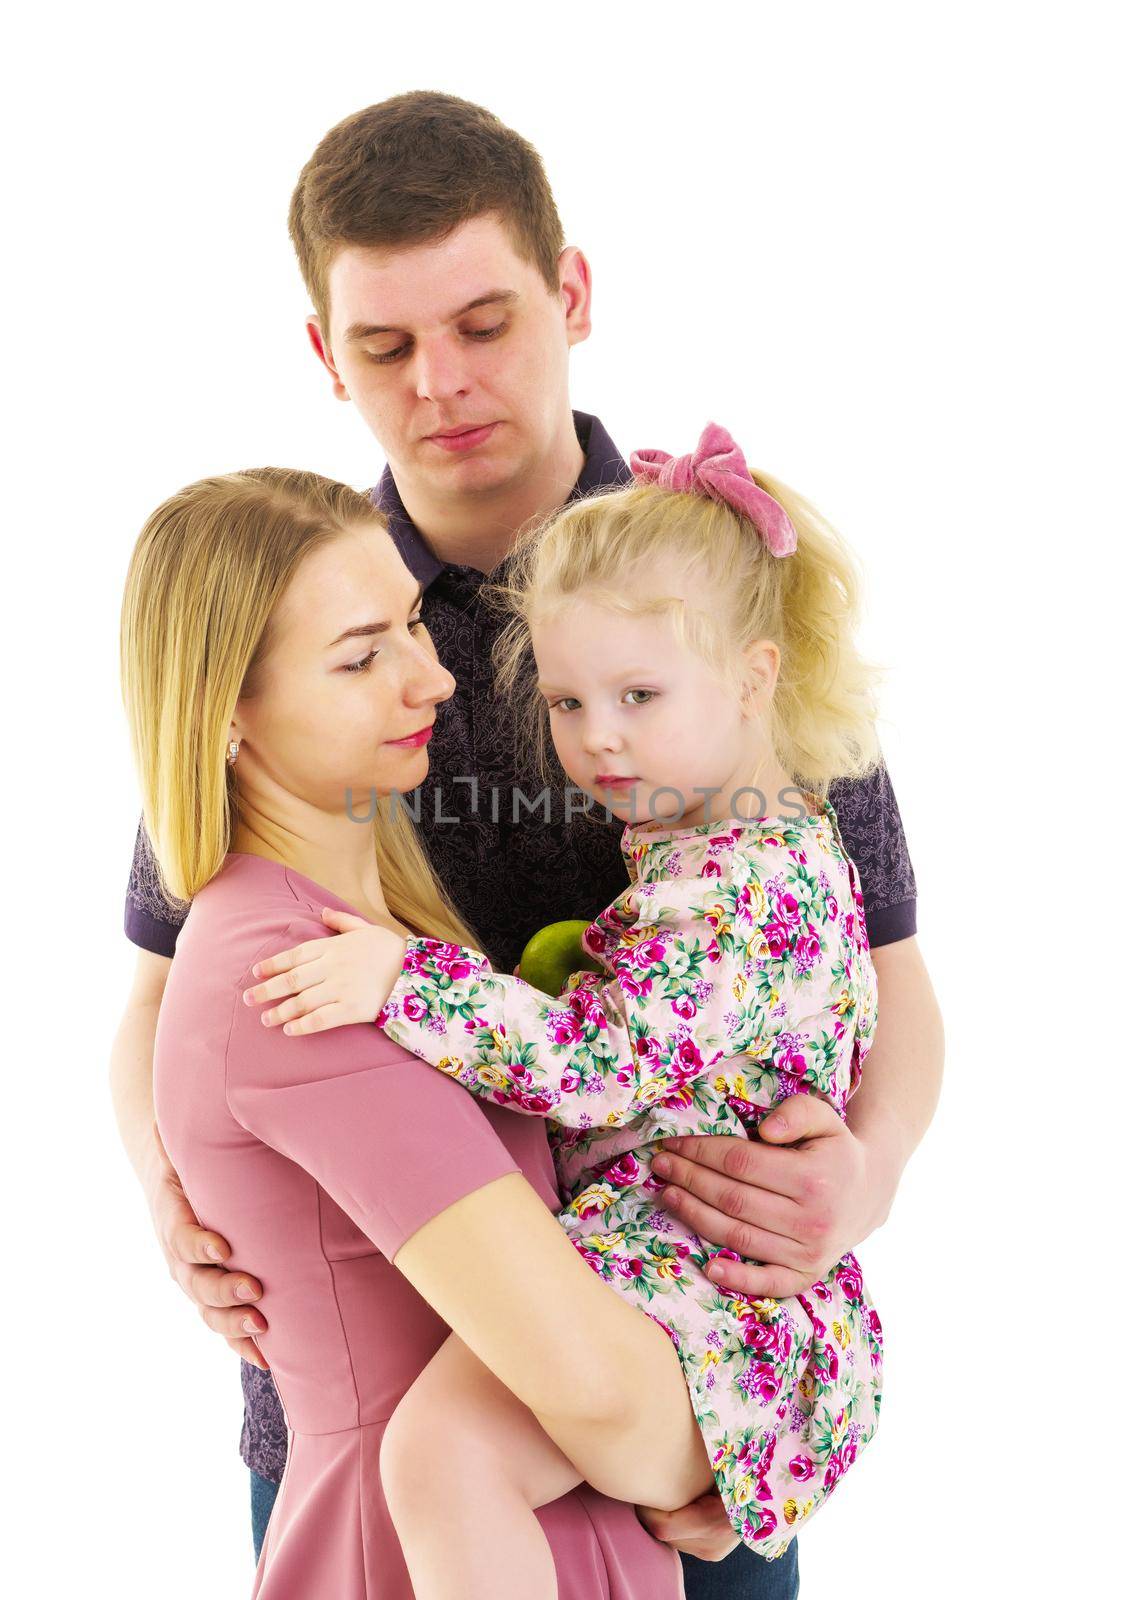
(479, 472)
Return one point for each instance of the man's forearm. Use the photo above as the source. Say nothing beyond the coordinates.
(132, 1088)
(901, 1078)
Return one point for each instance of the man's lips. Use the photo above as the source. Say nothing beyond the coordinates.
(464, 438)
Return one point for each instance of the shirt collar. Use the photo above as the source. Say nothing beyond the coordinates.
(603, 468)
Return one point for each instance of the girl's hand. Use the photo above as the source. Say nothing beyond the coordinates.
(331, 982)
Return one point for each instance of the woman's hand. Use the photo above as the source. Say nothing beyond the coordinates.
(331, 982)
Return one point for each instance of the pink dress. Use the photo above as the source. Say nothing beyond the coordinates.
(317, 1157)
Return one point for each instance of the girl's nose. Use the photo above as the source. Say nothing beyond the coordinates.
(599, 737)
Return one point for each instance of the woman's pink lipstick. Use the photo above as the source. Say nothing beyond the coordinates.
(466, 439)
(415, 740)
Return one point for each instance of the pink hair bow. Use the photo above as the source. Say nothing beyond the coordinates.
(717, 468)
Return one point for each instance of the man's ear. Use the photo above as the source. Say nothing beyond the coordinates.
(575, 291)
(317, 341)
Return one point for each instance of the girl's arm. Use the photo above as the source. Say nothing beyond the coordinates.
(611, 1044)
(608, 1047)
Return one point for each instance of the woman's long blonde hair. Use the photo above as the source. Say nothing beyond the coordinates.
(206, 575)
(612, 548)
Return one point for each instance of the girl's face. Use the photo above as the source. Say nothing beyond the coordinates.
(350, 670)
(625, 700)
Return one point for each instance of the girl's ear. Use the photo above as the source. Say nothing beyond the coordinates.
(762, 659)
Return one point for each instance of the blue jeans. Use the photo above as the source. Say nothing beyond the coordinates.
(263, 1493)
(742, 1576)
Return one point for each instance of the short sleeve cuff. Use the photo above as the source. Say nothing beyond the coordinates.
(148, 932)
(890, 924)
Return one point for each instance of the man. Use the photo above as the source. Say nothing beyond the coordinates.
(445, 305)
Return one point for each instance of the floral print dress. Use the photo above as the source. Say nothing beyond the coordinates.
(737, 971)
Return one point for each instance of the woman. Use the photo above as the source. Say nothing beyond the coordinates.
(274, 672)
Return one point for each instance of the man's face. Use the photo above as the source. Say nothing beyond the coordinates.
(456, 355)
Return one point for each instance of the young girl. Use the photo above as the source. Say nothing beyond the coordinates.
(693, 635)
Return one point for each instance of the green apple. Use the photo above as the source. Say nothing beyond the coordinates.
(553, 954)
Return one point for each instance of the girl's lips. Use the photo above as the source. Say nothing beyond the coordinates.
(414, 740)
(615, 783)
(468, 440)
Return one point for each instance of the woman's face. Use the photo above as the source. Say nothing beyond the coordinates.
(350, 670)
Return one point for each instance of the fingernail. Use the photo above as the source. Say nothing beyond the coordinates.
(669, 1196)
(662, 1165)
(716, 1272)
(250, 1326)
(245, 1292)
(214, 1252)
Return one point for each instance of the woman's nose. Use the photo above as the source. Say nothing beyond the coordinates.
(428, 681)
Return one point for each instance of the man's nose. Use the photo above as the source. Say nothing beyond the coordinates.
(440, 370)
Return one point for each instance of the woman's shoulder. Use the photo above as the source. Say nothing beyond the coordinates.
(251, 909)
(251, 906)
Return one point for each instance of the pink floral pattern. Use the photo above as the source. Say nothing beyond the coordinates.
(736, 972)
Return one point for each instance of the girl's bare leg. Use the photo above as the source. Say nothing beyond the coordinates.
(464, 1464)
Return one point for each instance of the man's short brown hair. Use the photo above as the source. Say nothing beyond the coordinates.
(410, 170)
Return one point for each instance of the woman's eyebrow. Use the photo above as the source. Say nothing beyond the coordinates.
(365, 629)
(494, 297)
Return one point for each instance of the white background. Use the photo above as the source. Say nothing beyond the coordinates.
(891, 247)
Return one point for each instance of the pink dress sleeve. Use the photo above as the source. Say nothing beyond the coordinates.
(391, 1141)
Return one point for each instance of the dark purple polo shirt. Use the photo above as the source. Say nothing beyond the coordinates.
(509, 878)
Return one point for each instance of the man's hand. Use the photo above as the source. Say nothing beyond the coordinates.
(797, 1201)
(223, 1298)
(700, 1529)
